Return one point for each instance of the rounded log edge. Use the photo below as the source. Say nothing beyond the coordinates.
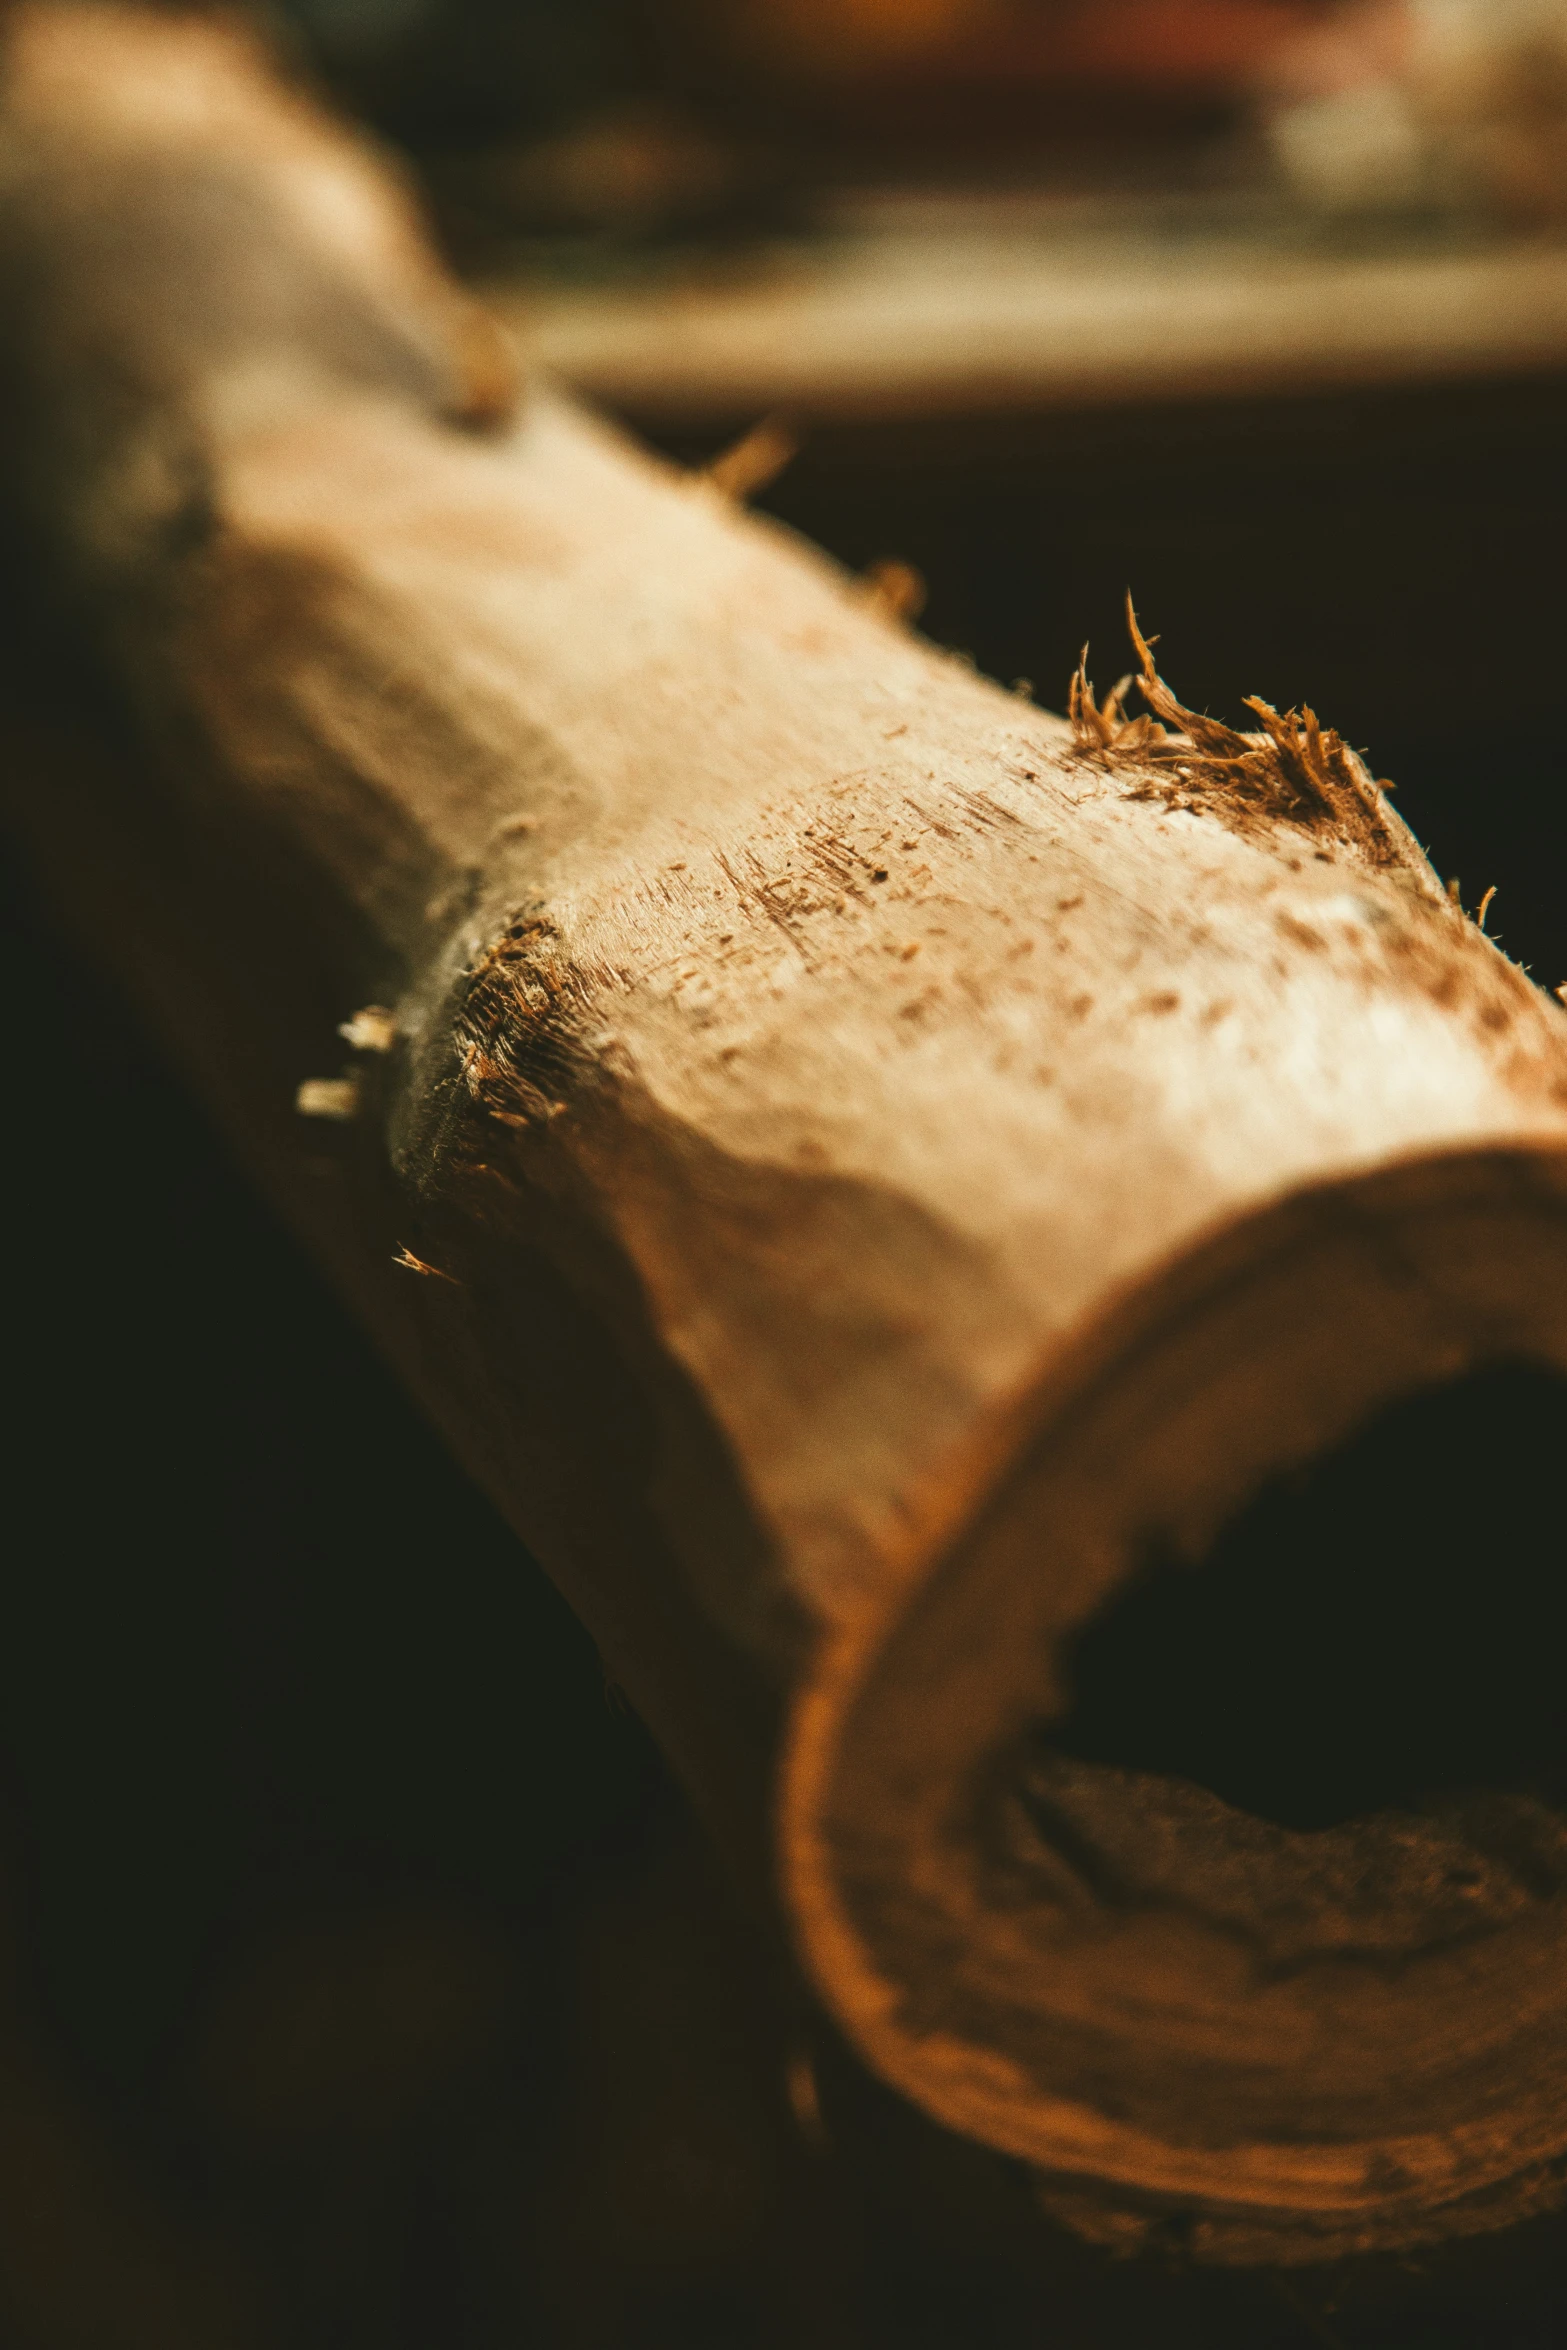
(1309, 2045)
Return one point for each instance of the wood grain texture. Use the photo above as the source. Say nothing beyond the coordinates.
(858, 1158)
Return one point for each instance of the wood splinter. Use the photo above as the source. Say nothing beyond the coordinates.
(898, 1160)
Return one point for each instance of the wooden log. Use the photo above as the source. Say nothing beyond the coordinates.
(857, 1161)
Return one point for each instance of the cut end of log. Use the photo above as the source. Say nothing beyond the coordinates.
(1307, 2032)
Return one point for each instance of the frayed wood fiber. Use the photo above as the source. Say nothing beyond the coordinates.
(1291, 770)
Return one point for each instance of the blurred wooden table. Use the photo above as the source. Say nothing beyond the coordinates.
(925, 322)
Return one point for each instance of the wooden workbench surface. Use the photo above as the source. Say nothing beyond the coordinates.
(937, 320)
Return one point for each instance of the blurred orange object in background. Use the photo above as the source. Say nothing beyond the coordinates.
(949, 81)
(1212, 44)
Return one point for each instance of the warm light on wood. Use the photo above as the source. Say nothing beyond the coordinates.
(849, 1160)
